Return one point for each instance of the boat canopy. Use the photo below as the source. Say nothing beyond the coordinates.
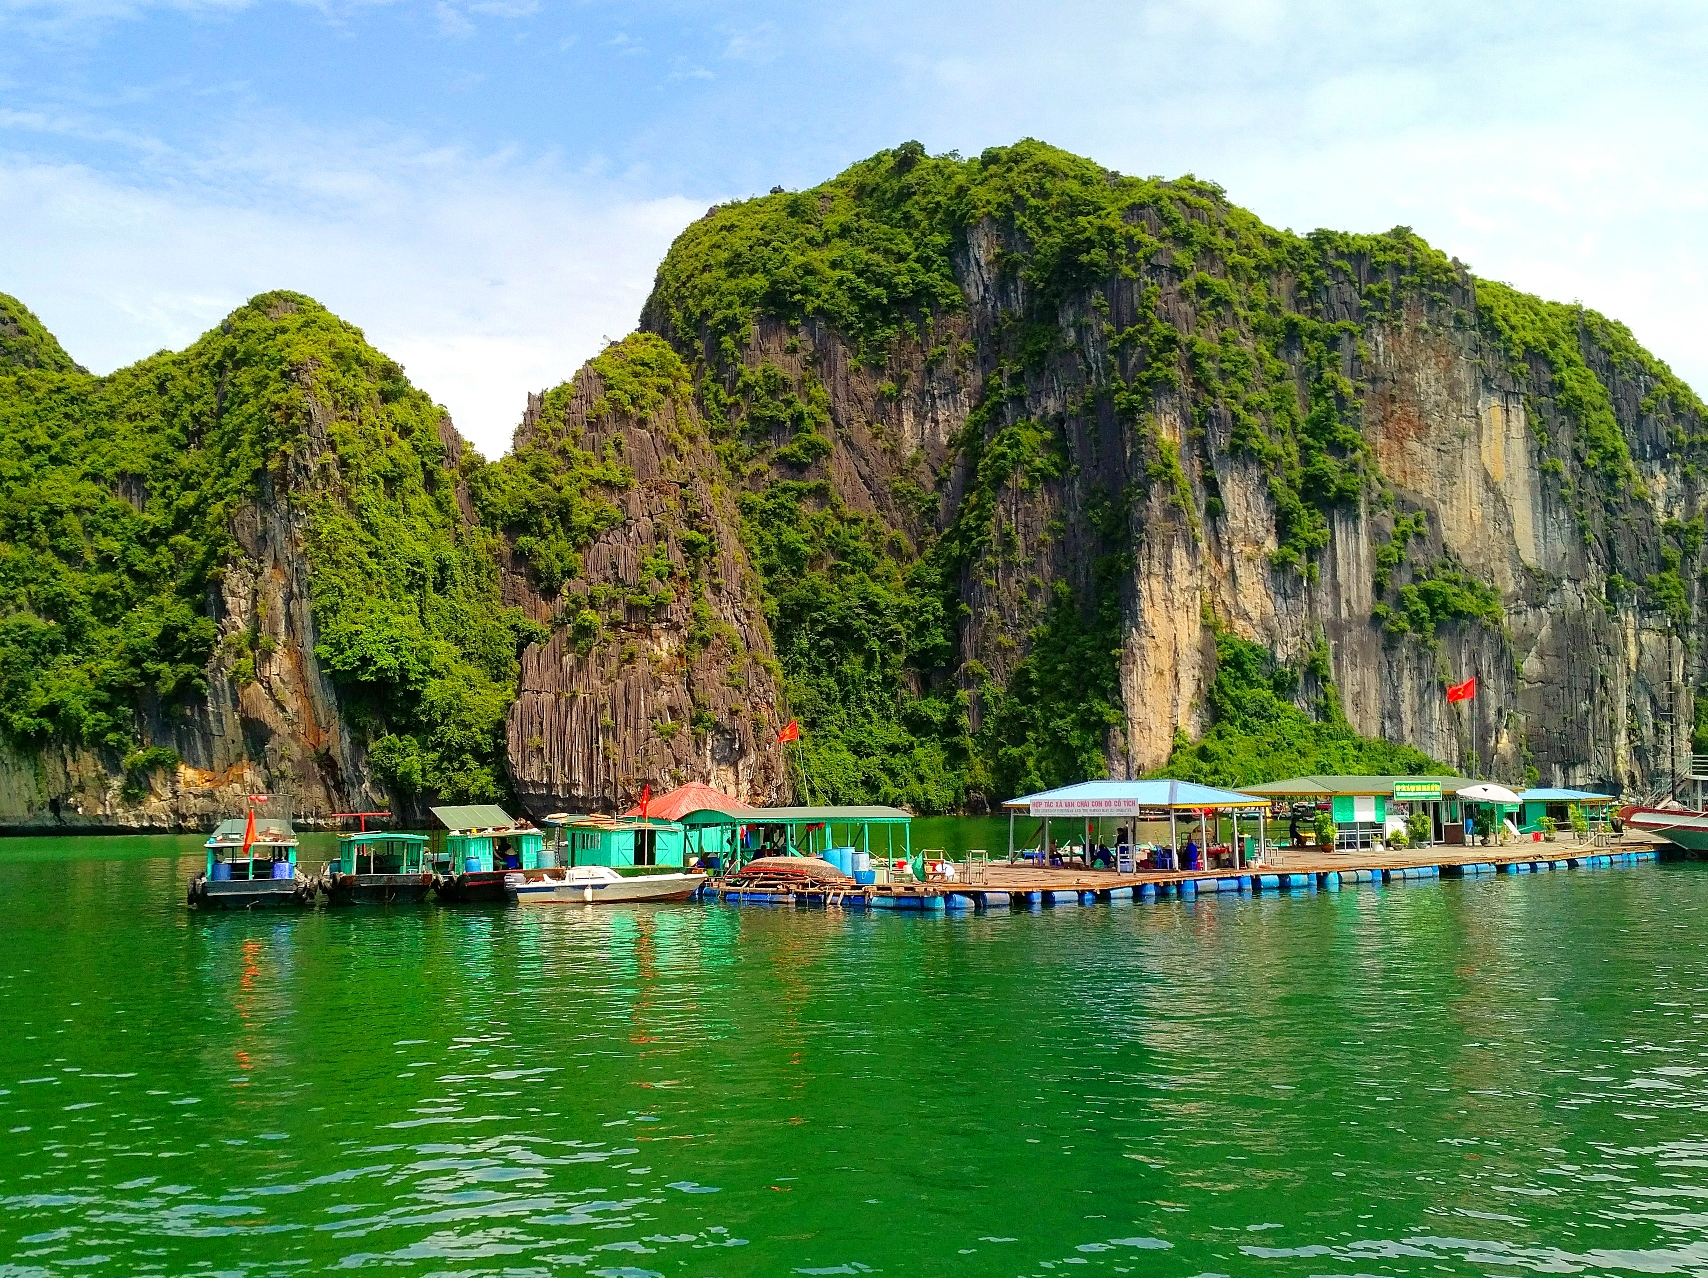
(478, 816)
(1129, 798)
(267, 830)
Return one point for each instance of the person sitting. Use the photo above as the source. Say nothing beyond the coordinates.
(1191, 853)
(1103, 856)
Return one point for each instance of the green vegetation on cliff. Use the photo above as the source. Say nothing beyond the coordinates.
(1258, 732)
(25, 344)
(1233, 319)
(117, 504)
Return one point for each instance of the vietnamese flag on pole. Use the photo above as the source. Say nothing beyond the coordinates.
(792, 732)
(248, 833)
(646, 798)
(1462, 691)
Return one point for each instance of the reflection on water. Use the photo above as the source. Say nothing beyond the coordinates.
(1497, 1076)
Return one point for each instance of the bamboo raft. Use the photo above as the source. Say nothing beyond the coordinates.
(1005, 886)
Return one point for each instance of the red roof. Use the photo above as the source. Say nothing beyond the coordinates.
(693, 797)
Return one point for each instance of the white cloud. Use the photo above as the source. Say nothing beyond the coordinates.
(485, 278)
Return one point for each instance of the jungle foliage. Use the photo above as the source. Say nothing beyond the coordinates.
(1259, 733)
(1232, 318)
(117, 503)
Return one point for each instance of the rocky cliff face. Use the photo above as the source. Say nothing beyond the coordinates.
(1342, 441)
(659, 666)
(975, 467)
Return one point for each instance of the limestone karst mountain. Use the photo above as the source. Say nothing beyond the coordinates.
(994, 472)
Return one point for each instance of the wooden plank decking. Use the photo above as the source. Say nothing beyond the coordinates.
(1001, 885)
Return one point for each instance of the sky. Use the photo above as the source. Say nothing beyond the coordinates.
(485, 187)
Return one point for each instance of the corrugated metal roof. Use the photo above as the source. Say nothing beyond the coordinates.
(1545, 794)
(810, 816)
(1350, 784)
(1123, 798)
(475, 816)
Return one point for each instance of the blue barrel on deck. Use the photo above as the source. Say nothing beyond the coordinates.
(281, 869)
(471, 864)
(221, 872)
(841, 858)
(865, 878)
(862, 863)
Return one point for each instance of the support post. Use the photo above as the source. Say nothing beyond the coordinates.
(1011, 836)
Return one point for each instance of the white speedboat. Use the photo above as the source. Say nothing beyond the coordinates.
(601, 885)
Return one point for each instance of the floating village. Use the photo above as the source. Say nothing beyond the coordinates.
(1096, 841)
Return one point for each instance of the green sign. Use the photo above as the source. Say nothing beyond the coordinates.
(1430, 791)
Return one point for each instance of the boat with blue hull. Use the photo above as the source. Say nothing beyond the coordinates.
(251, 863)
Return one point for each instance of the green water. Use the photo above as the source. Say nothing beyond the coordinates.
(1498, 1076)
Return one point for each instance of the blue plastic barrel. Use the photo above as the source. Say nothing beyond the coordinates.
(841, 858)
(281, 869)
(865, 877)
(221, 872)
(471, 864)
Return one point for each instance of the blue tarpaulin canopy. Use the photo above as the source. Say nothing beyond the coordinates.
(1546, 794)
(1128, 798)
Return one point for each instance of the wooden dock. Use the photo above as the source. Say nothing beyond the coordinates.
(1001, 886)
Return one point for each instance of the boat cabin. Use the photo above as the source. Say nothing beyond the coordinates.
(618, 842)
(271, 854)
(483, 837)
(381, 852)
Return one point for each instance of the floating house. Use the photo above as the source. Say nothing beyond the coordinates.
(834, 833)
(617, 842)
(1183, 804)
(700, 810)
(1556, 804)
(1362, 805)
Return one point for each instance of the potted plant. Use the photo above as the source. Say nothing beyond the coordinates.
(1419, 828)
(1549, 826)
(1325, 829)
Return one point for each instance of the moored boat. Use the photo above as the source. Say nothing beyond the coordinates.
(1683, 826)
(251, 862)
(378, 867)
(484, 848)
(601, 885)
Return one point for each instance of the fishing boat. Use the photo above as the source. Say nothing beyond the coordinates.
(251, 862)
(1684, 826)
(601, 885)
(484, 847)
(378, 867)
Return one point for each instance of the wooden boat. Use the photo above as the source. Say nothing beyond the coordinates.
(484, 847)
(378, 867)
(601, 885)
(1684, 826)
(251, 862)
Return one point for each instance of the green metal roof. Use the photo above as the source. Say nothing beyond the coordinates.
(1329, 786)
(873, 815)
(382, 836)
(476, 816)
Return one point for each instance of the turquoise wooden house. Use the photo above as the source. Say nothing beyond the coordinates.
(618, 842)
(1544, 801)
(483, 837)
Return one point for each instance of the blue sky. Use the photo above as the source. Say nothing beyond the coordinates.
(487, 187)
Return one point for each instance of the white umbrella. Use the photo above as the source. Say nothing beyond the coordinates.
(1484, 792)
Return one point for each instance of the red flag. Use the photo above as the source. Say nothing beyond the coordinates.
(1462, 691)
(646, 798)
(792, 732)
(248, 833)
